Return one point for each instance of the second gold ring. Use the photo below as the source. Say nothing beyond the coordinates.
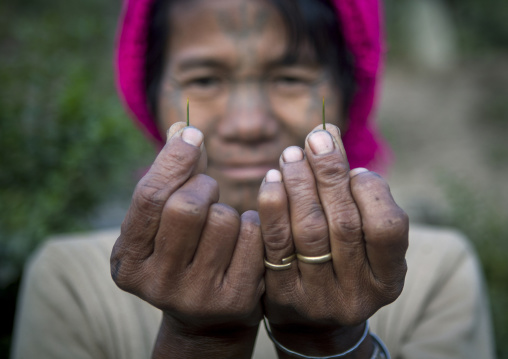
(314, 260)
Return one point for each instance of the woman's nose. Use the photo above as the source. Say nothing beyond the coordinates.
(248, 116)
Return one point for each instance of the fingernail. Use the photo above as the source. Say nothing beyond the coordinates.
(173, 130)
(321, 142)
(292, 154)
(357, 171)
(273, 176)
(192, 136)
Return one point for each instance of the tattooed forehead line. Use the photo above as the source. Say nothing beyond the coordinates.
(241, 28)
(236, 23)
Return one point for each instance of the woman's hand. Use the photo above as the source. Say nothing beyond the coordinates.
(322, 207)
(195, 259)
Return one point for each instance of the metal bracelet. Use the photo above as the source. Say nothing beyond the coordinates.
(380, 349)
(302, 356)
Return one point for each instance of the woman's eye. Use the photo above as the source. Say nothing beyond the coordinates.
(205, 82)
(289, 80)
(204, 86)
(290, 85)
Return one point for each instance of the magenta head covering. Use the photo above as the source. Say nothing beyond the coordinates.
(362, 29)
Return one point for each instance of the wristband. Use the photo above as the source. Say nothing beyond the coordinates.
(302, 356)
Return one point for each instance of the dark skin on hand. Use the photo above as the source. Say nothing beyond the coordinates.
(185, 248)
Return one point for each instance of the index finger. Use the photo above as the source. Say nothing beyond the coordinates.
(171, 169)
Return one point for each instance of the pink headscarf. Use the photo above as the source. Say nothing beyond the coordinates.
(362, 28)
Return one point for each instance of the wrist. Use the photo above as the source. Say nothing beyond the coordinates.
(175, 339)
(344, 342)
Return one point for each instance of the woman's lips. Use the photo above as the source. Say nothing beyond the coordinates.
(245, 172)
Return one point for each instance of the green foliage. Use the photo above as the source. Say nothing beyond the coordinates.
(65, 139)
(481, 24)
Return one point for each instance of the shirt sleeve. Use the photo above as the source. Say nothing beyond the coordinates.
(69, 307)
(455, 323)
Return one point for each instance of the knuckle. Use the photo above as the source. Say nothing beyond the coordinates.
(297, 180)
(389, 292)
(312, 228)
(125, 274)
(186, 206)
(177, 160)
(309, 212)
(276, 236)
(318, 244)
(149, 193)
(348, 226)
(223, 215)
(389, 287)
(389, 227)
(347, 222)
(329, 170)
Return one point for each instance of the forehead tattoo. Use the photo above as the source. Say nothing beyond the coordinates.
(243, 24)
(237, 23)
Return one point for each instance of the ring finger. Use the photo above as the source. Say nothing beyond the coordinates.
(275, 228)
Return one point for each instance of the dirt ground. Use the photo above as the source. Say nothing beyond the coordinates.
(447, 128)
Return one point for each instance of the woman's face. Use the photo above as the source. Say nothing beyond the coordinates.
(228, 57)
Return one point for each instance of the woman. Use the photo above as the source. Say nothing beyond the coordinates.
(325, 249)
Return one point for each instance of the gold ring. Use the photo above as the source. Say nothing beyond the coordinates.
(287, 263)
(315, 260)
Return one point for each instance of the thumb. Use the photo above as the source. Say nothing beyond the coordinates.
(202, 164)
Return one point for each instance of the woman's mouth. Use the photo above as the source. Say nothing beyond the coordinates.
(244, 172)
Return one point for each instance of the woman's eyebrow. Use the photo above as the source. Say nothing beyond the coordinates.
(193, 63)
(287, 61)
(290, 58)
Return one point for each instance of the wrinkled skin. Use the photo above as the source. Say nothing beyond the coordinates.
(320, 207)
(199, 260)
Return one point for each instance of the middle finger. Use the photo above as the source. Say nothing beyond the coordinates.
(308, 222)
(327, 158)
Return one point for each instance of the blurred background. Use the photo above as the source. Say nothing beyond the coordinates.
(70, 157)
